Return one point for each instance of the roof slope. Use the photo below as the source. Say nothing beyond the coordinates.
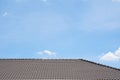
(42, 69)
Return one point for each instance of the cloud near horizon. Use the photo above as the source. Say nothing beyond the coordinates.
(47, 52)
(111, 56)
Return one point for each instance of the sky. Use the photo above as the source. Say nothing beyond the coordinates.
(61, 29)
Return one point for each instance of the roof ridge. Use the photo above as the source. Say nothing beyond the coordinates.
(33, 59)
(100, 64)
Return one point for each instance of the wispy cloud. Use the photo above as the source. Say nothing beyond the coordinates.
(111, 56)
(20, 1)
(5, 13)
(44, 0)
(101, 18)
(115, 0)
(47, 52)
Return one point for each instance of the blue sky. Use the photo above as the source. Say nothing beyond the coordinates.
(87, 29)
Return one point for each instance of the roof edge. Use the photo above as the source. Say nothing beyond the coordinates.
(100, 64)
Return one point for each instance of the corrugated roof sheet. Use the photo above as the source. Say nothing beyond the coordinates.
(55, 69)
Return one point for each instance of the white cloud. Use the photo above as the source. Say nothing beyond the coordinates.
(117, 52)
(5, 13)
(111, 56)
(47, 52)
(115, 0)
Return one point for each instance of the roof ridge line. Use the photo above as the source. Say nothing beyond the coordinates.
(34, 59)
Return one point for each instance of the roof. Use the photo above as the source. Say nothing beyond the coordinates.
(55, 69)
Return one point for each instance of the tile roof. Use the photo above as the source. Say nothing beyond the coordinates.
(55, 69)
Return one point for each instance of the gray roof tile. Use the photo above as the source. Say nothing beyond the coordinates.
(55, 69)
